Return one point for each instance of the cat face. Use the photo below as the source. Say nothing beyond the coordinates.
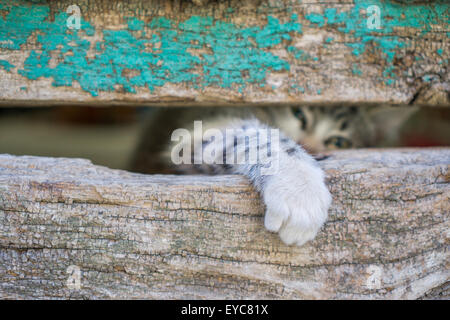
(319, 129)
(331, 128)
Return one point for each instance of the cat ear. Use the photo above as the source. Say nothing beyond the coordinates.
(388, 121)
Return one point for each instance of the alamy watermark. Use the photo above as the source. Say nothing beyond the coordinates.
(232, 146)
(73, 282)
(373, 281)
(374, 17)
(74, 20)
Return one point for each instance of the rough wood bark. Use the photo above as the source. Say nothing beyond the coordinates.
(144, 52)
(155, 236)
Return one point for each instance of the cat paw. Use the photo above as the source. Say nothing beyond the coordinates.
(297, 202)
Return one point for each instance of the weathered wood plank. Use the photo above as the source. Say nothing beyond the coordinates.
(144, 52)
(155, 236)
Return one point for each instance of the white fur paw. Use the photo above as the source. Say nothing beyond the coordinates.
(297, 201)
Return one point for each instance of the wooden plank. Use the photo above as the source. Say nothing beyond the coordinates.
(145, 52)
(155, 236)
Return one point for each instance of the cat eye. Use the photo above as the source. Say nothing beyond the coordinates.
(338, 143)
(298, 113)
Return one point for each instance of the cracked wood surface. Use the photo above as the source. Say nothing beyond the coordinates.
(156, 236)
(146, 52)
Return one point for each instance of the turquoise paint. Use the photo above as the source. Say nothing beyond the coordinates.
(329, 40)
(389, 74)
(428, 78)
(298, 88)
(244, 63)
(440, 52)
(332, 16)
(300, 54)
(122, 58)
(394, 15)
(19, 23)
(236, 55)
(6, 65)
(160, 23)
(316, 19)
(72, 51)
(135, 24)
(273, 33)
(356, 70)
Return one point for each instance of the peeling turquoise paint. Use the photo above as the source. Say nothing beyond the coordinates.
(244, 63)
(428, 78)
(298, 88)
(317, 19)
(123, 57)
(230, 56)
(300, 54)
(19, 23)
(393, 15)
(135, 24)
(274, 32)
(440, 52)
(71, 49)
(6, 65)
(356, 70)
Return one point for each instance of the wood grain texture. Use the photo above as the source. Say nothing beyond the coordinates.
(147, 52)
(155, 236)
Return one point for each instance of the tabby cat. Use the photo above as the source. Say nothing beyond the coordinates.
(296, 197)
